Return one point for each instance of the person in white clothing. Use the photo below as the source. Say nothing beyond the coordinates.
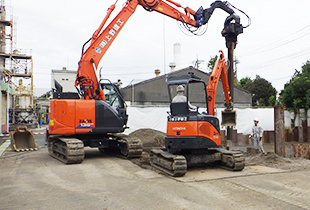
(257, 134)
(180, 97)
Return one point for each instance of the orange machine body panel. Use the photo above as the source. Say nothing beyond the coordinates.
(194, 128)
(71, 116)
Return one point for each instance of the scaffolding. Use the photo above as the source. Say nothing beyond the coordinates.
(16, 82)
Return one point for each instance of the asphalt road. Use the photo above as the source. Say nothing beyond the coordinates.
(34, 180)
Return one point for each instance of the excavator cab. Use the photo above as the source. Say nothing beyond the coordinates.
(112, 94)
(188, 129)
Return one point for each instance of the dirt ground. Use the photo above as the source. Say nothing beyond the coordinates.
(155, 139)
(34, 180)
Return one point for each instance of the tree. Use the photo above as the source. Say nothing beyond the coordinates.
(272, 101)
(211, 64)
(261, 90)
(244, 81)
(296, 93)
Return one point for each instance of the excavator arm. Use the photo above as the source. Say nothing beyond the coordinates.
(88, 76)
(219, 71)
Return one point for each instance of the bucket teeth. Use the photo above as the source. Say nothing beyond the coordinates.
(23, 140)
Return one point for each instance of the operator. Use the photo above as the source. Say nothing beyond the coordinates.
(181, 98)
(257, 134)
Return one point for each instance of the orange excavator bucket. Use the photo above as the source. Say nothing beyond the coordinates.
(23, 140)
(228, 118)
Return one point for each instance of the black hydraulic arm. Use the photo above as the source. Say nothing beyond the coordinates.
(232, 25)
(202, 16)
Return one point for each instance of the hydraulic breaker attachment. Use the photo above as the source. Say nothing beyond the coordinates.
(228, 118)
(23, 140)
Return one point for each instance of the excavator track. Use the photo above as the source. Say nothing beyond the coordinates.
(173, 165)
(67, 150)
(131, 147)
(127, 147)
(231, 160)
(176, 165)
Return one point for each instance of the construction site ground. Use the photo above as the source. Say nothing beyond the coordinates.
(34, 180)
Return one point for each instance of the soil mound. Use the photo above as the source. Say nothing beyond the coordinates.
(150, 138)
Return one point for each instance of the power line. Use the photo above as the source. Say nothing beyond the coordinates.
(277, 60)
(284, 41)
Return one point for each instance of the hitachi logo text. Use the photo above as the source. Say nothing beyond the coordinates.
(179, 128)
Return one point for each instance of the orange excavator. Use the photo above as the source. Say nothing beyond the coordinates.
(194, 138)
(96, 115)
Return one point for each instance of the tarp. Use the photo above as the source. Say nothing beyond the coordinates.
(156, 118)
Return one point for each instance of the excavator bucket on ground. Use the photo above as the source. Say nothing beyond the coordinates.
(23, 140)
(228, 118)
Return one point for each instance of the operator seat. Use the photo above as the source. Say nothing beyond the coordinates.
(179, 109)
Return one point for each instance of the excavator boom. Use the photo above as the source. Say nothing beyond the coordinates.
(219, 71)
(88, 76)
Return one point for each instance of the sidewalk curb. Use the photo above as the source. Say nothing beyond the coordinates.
(3, 147)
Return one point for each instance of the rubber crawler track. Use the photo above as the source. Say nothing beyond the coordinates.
(176, 165)
(67, 150)
(173, 165)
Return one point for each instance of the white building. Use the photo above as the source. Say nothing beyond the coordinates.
(65, 78)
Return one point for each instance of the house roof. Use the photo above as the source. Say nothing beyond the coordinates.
(172, 73)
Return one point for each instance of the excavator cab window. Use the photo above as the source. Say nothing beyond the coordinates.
(194, 91)
(112, 95)
(197, 94)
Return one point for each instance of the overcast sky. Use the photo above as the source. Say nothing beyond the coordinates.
(276, 43)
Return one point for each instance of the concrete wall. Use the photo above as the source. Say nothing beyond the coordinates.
(154, 92)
